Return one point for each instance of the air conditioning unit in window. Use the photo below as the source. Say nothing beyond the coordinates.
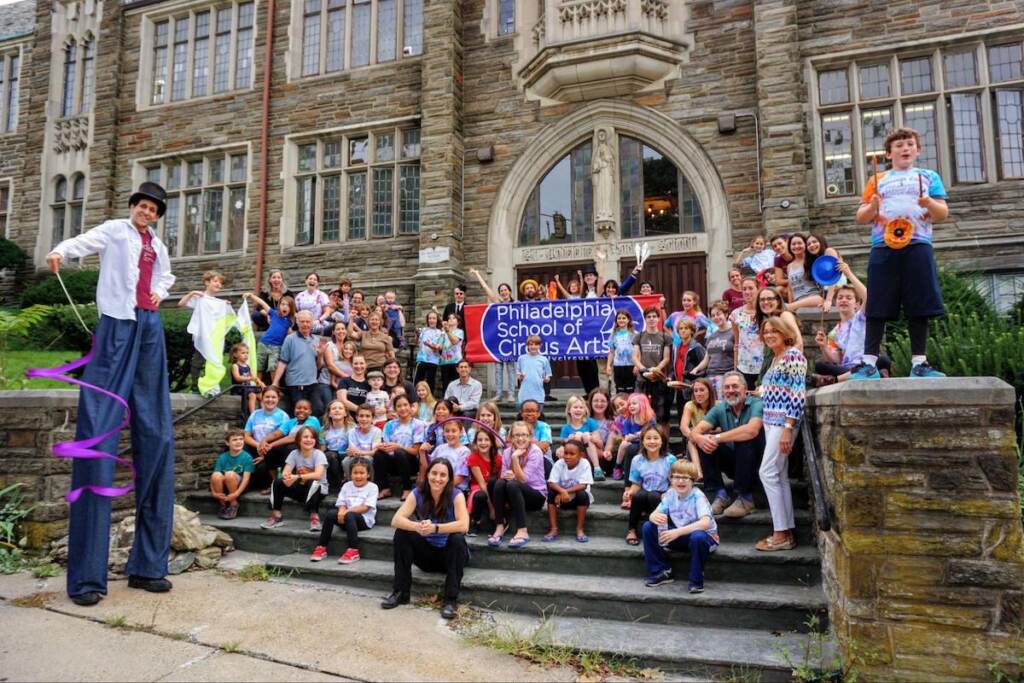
(407, 50)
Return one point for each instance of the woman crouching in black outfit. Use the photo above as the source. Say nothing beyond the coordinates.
(430, 530)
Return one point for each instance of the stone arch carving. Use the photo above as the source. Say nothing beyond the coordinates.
(556, 140)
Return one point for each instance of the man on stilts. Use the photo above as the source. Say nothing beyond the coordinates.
(130, 361)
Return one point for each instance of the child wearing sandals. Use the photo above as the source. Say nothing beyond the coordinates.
(357, 511)
(304, 479)
(569, 489)
(580, 426)
(683, 520)
(648, 478)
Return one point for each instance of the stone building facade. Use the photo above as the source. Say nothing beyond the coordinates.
(409, 141)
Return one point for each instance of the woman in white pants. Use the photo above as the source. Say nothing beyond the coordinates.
(783, 395)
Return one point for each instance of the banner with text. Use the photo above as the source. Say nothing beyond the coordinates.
(570, 329)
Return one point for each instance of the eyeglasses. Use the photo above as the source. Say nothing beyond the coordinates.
(681, 477)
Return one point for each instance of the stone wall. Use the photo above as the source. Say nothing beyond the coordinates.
(32, 421)
(923, 566)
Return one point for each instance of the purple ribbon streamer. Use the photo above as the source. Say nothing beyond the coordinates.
(433, 428)
(84, 448)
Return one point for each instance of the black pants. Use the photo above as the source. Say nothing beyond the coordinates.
(579, 499)
(632, 451)
(265, 472)
(835, 369)
(875, 331)
(751, 380)
(412, 549)
(740, 459)
(480, 509)
(625, 380)
(588, 375)
(335, 478)
(449, 373)
(641, 506)
(306, 492)
(397, 464)
(310, 392)
(427, 372)
(512, 495)
(354, 523)
(660, 396)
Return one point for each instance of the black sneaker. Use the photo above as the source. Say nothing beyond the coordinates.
(151, 585)
(86, 599)
(449, 610)
(659, 579)
(394, 600)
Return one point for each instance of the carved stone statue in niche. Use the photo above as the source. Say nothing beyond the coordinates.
(604, 170)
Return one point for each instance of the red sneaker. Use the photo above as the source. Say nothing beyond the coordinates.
(351, 555)
(319, 553)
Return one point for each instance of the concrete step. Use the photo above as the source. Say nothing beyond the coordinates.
(723, 604)
(703, 653)
(732, 561)
(603, 519)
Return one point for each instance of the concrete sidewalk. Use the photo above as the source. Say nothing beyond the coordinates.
(213, 627)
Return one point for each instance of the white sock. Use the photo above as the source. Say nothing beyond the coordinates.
(870, 360)
(917, 360)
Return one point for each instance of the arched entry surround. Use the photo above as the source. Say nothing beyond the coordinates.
(557, 139)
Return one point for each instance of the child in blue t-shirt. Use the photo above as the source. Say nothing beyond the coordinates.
(334, 435)
(231, 473)
(902, 204)
(532, 370)
(268, 348)
(648, 478)
(583, 428)
(682, 521)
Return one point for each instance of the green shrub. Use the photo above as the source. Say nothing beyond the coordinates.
(81, 285)
(11, 255)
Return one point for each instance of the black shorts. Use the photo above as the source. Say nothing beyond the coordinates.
(579, 499)
(903, 278)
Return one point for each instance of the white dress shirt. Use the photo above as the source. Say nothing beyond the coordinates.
(467, 395)
(119, 245)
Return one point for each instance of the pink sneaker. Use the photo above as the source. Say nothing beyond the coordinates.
(314, 523)
(351, 555)
(319, 553)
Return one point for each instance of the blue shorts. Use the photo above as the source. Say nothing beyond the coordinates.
(903, 278)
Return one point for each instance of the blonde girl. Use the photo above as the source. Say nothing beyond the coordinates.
(581, 427)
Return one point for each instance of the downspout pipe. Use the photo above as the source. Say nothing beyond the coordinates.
(268, 51)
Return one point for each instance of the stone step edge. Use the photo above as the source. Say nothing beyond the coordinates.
(632, 591)
(731, 551)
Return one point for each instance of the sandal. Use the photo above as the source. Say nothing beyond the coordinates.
(519, 542)
(632, 539)
(582, 538)
(770, 545)
(548, 538)
(495, 541)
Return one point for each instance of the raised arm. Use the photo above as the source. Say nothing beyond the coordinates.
(491, 296)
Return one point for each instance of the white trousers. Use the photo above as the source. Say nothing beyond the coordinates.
(775, 479)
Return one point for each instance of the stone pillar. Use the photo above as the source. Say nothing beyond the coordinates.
(923, 567)
(780, 104)
(441, 163)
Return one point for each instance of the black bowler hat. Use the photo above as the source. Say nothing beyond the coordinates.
(152, 192)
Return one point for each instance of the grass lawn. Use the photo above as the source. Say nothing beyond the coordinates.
(17, 361)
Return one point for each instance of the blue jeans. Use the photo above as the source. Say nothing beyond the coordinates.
(500, 371)
(656, 558)
(130, 361)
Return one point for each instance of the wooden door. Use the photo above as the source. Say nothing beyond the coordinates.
(565, 374)
(671, 276)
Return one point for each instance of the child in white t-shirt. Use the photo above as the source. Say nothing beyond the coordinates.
(377, 398)
(569, 489)
(357, 511)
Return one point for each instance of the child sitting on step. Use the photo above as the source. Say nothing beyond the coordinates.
(569, 489)
(648, 478)
(683, 520)
(303, 479)
(357, 511)
(231, 473)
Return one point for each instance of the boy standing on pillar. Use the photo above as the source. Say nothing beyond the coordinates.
(130, 361)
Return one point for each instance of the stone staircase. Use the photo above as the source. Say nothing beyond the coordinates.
(592, 594)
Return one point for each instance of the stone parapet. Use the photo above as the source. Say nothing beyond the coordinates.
(32, 421)
(923, 566)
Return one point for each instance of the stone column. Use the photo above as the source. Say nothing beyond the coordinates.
(780, 103)
(923, 566)
(440, 268)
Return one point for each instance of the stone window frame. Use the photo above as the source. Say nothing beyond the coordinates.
(939, 98)
(1003, 289)
(77, 95)
(300, 9)
(294, 226)
(6, 202)
(66, 198)
(10, 94)
(146, 96)
(180, 194)
(490, 20)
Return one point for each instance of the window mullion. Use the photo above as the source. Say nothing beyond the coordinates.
(189, 54)
(860, 173)
(346, 46)
(399, 34)
(322, 59)
(4, 86)
(233, 48)
(373, 34)
(988, 118)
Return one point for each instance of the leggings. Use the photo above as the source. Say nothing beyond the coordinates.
(643, 504)
(354, 523)
(426, 372)
(480, 509)
(306, 492)
(625, 380)
(402, 465)
(265, 472)
(587, 370)
(918, 328)
(412, 549)
(515, 496)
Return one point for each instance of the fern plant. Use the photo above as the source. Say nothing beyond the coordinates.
(17, 323)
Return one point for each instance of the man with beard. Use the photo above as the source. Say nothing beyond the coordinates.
(735, 448)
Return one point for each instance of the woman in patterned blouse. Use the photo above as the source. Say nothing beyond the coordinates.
(783, 396)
